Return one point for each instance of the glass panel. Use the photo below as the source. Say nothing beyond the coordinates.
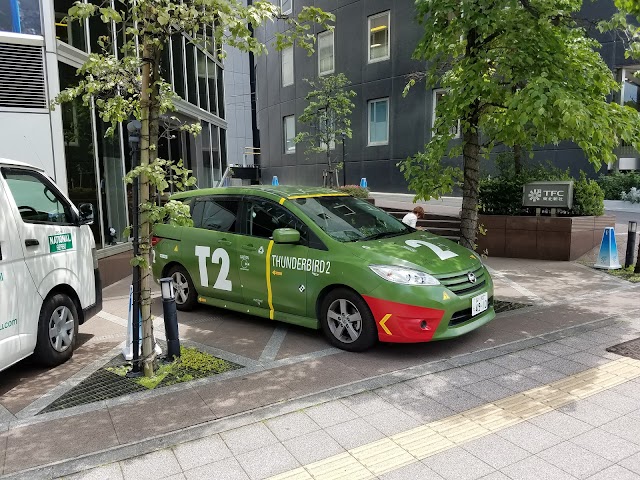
(78, 149)
(211, 80)
(287, 66)
(20, 16)
(219, 215)
(165, 64)
(204, 180)
(202, 80)
(220, 81)
(192, 86)
(71, 33)
(112, 187)
(325, 52)
(378, 121)
(286, 6)
(178, 62)
(223, 148)
(263, 217)
(631, 90)
(97, 30)
(289, 134)
(215, 154)
(379, 37)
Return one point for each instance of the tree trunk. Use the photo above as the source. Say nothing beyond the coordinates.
(469, 215)
(148, 350)
(517, 158)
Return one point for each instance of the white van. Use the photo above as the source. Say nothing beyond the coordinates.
(49, 278)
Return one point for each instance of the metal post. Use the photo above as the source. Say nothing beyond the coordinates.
(134, 139)
(631, 244)
(170, 318)
(344, 165)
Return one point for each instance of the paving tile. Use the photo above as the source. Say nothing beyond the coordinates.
(512, 362)
(496, 476)
(486, 369)
(496, 451)
(392, 421)
(628, 389)
(399, 393)
(631, 463)
(330, 413)
(106, 472)
(228, 469)
(430, 385)
(415, 471)
(578, 342)
(179, 476)
(565, 366)
(458, 376)
(488, 390)
(535, 356)
(575, 460)
(291, 425)
(248, 438)
(615, 401)
(530, 437)
(535, 468)
(312, 447)
(354, 433)
(563, 425)
(74, 436)
(516, 382)
(3, 450)
(458, 464)
(170, 413)
(200, 452)
(459, 400)
(614, 472)
(162, 463)
(588, 359)
(427, 410)
(366, 403)
(625, 427)
(267, 461)
(590, 413)
(606, 444)
(542, 374)
(555, 348)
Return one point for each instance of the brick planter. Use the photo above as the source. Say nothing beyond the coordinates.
(542, 238)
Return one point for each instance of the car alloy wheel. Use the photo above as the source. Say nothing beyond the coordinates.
(61, 329)
(344, 320)
(181, 286)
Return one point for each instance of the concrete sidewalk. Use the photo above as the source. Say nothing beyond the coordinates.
(296, 401)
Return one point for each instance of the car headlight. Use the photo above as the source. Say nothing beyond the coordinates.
(404, 276)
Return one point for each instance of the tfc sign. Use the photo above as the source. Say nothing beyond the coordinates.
(548, 194)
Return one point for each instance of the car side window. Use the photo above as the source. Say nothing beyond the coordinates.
(263, 217)
(36, 198)
(215, 214)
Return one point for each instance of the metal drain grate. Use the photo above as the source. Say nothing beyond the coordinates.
(627, 349)
(101, 385)
(502, 306)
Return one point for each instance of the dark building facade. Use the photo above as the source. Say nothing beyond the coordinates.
(372, 45)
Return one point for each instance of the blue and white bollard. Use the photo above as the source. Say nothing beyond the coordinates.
(363, 182)
(274, 181)
(608, 255)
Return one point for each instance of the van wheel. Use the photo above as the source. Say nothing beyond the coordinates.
(347, 321)
(186, 295)
(57, 330)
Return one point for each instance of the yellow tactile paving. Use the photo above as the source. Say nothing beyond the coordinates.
(421, 442)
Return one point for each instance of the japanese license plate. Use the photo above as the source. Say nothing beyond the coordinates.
(479, 304)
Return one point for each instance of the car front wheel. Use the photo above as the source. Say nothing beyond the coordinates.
(347, 321)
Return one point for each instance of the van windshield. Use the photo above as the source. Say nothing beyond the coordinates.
(349, 219)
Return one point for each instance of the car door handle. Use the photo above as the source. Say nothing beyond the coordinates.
(224, 242)
(31, 242)
(248, 247)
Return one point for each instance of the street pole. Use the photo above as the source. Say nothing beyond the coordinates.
(344, 165)
(133, 128)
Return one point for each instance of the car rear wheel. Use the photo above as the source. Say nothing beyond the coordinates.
(347, 321)
(57, 330)
(186, 295)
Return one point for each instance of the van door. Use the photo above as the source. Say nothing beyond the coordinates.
(11, 262)
(54, 250)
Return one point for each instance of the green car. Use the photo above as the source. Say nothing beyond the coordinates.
(322, 259)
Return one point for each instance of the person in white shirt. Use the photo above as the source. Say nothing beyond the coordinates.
(411, 218)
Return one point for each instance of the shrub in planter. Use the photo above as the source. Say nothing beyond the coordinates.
(616, 183)
(588, 197)
(355, 191)
(632, 196)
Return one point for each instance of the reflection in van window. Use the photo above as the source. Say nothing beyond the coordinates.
(36, 202)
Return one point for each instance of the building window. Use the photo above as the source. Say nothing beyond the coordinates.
(379, 37)
(286, 6)
(20, 17)
(438, 95)
(326, 64)
(287, 67)
(379, 122)
(289, 125)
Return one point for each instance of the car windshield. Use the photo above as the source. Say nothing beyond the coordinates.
(349, 219)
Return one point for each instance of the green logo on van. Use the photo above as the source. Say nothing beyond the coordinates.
(60, 242)
(9, 324)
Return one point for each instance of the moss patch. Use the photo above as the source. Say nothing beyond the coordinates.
(625, 274)
(191, 365)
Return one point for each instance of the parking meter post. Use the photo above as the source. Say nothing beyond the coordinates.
(170, 318)
(631, 244)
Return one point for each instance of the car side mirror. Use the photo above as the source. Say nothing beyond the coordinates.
(86, 213)
(286, 235)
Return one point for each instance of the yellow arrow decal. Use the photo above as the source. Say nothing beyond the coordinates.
(276, 273)
(382, 324)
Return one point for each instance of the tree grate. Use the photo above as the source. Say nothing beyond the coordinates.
(627, 349)
(501, 306)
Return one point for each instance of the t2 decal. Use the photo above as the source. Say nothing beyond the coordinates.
(221, 256)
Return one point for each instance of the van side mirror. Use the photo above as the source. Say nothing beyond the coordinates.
(86, 213)
(286, 235)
